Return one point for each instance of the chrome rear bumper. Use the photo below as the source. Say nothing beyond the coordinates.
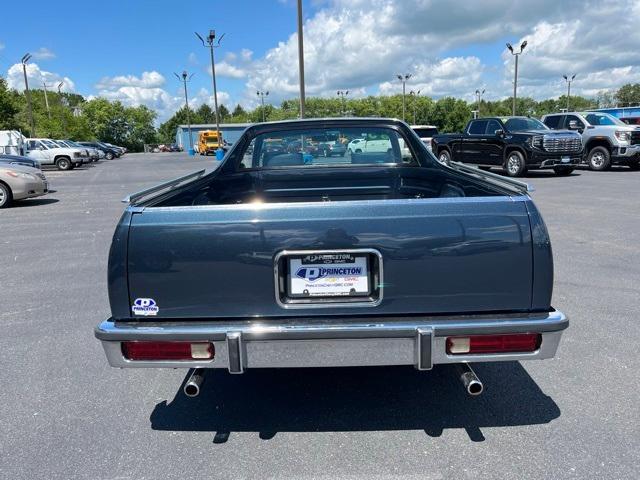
(372, 341)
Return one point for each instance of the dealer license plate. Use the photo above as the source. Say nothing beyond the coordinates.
(565, 159)
(329, 275)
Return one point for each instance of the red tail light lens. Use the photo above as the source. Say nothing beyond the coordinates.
(515, 342)
(168, 350)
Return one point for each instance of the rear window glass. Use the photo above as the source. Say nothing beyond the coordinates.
(426, 132)
(320, 147)
(553, 121)
(478, 128)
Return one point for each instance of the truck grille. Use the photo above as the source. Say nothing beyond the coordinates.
(635, 138)
(562, 144)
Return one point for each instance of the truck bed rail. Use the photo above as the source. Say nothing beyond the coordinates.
(170, 185)
(521, 187)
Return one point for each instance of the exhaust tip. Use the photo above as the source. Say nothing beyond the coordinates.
(191, 390)
(475, 388)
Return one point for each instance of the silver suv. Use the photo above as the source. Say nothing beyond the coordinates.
(607, 140)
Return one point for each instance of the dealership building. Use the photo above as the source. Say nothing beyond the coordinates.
(230, 132)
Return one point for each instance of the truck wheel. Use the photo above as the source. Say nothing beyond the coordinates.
(563, 171)
(444, 157)
(358, 150)
(599, 159)
(515, 165)
(6, 198)
(64, 163)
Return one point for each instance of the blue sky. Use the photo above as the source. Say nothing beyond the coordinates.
(128, 50)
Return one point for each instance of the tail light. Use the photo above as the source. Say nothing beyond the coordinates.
(508, 343)
(168, 350)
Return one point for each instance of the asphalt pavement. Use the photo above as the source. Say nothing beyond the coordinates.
(64, 413)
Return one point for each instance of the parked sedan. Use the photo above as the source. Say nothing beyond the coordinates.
(109, 153)
(20, 160)
(18, 182)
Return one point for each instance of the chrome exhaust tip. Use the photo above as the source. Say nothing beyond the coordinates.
(471, 382)
(194, 384)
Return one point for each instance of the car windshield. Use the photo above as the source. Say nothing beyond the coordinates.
(325, 147)
(520, 124)
(602, 119)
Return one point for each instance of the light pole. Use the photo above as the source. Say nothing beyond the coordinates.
(184, 79)
(24, 60)
(479, 94)
(301, 58)
(403, 79)
(62, 105)
(569, 80)
(213, 44)
(515, 80)
(415, 102)
(343, 94)
(262, 95)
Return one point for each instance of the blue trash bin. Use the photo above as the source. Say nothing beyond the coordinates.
(192, 152)
(219, 154)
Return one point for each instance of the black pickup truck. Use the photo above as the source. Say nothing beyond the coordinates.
(513, 143)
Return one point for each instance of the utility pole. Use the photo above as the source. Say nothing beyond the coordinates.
(262, 95)
(515, 80)
(46, 98)
(343, 94)
(24, 60)
(403, 79)
(569, 80)
(479, 94)
(415, 103)
(301, 58)
(212, 44)
(186, 78)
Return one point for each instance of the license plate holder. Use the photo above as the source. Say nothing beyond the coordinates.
(328, 278)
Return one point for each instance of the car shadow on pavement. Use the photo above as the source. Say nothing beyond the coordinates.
(34, 202)
(356, 399)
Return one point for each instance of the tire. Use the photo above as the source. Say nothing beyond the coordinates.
(6, 197)
(63, 163)
(599, 159)
(444, 157)
(563, 171)
(108, 156)
(515, 165)
(635, 165)
(358, 150)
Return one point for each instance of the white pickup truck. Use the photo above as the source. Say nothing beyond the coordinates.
(47, 152)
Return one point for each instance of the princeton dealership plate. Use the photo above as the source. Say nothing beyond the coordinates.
(329, 275)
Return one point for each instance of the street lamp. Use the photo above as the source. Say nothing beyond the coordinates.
(24, 61)
(343, 94)
(403, 79)
(184, 79)
(301, 58)
(213, 44)
(62, 105)
(569, 80)
(46, 98)
(415, 102)
(515, 81)
(479, 94)
(262, 95)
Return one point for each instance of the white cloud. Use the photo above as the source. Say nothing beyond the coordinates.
(36, 76)
(43, 53)
(224, 69)
(147, 90)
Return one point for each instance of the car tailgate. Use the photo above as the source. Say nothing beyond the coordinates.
(441, 255)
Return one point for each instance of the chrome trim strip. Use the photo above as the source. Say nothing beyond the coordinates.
(329, 304)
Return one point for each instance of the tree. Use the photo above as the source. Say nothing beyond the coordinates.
(204, 114)
(223, 113)
(628, 95)
(8, 107)
(239, 115)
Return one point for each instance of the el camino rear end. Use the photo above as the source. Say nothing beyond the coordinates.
(285, 257)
